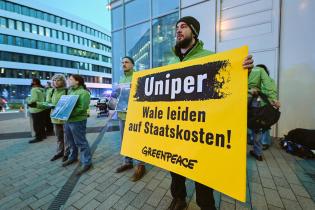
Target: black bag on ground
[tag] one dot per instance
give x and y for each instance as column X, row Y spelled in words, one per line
column 302, row 136
column 262, row 117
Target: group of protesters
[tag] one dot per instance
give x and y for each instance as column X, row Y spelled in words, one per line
column 71, row 135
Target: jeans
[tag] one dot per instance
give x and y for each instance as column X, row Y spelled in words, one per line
column 75, row 137
column 62, row 145
column 39, row 125
column 265, row 138
column 128, row 160
column 258, row 147
column 204, row 194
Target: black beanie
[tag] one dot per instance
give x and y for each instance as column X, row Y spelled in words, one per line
column 130, row 59
column 192, row 22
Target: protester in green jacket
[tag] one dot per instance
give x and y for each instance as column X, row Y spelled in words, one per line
column 52, row 97
column 189, row 47
column 75, row 127
column 48, row 124
column 127, row 65
column 38, row 117
column 260, row 81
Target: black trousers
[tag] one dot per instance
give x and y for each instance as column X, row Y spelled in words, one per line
column 204, row 194
column 48, row 125
column 39, row 125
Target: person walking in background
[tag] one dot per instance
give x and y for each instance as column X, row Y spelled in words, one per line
column 75, row 127
column 38, row 114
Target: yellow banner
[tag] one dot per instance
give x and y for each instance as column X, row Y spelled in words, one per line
column 190, row 118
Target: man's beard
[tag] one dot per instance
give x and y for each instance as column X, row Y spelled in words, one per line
column 184, row 43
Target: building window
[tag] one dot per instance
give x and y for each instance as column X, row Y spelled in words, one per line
column 138, row 45
column 3, row 22
column 27, row 27
column 133, row 17
column 26, row 11
column 9, row 6
column 54, row 33
column 34, row 29
column 47, row 32
column 11, row 24
column 41, row 30
column 118, row 52
column 60, row 35
column 58, row 21
column 19, row 25
column 18, row 41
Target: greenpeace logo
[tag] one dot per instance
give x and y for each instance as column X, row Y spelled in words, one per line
column 198, row 82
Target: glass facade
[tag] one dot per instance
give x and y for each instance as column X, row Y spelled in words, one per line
column 147, row 35
column 139, row 49
column 24, row 10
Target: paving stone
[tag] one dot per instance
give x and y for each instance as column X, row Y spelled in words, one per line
column 273, row 198
column 291, row 205
column 108, row 203
column 93, row 204
column 306, row 203
column 138, row 186
column 258, row 201
column 85, row 199
column 286, row 193
column 125, row 200
column 299, row 190
column 226, row 205
column 141, row 198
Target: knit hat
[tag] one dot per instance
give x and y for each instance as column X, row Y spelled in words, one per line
column 60, row 77
column 193, row 23
column 130, row 59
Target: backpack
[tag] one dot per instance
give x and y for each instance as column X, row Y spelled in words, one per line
column 296, row 149
column 302, row 136
column 262, row 117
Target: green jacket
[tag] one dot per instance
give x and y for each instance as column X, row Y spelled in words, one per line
column 48, row 93
column 196, row 52
column 53, row 98
column 260, row 80
column 126, row 78
column 37, row 95
column 80, row 111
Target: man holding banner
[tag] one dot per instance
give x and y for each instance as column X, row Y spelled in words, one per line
column 127, row 65
column 189, row 47
column 193, row 118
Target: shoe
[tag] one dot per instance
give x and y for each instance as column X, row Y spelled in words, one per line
column 84, row 169
column 124, row 168
column 69, row 162
column 139, row 173
column 265, row 146
column 177, row 204
column 56, row 157
column 258, row 157
column 35, row 141
column 65, row 158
